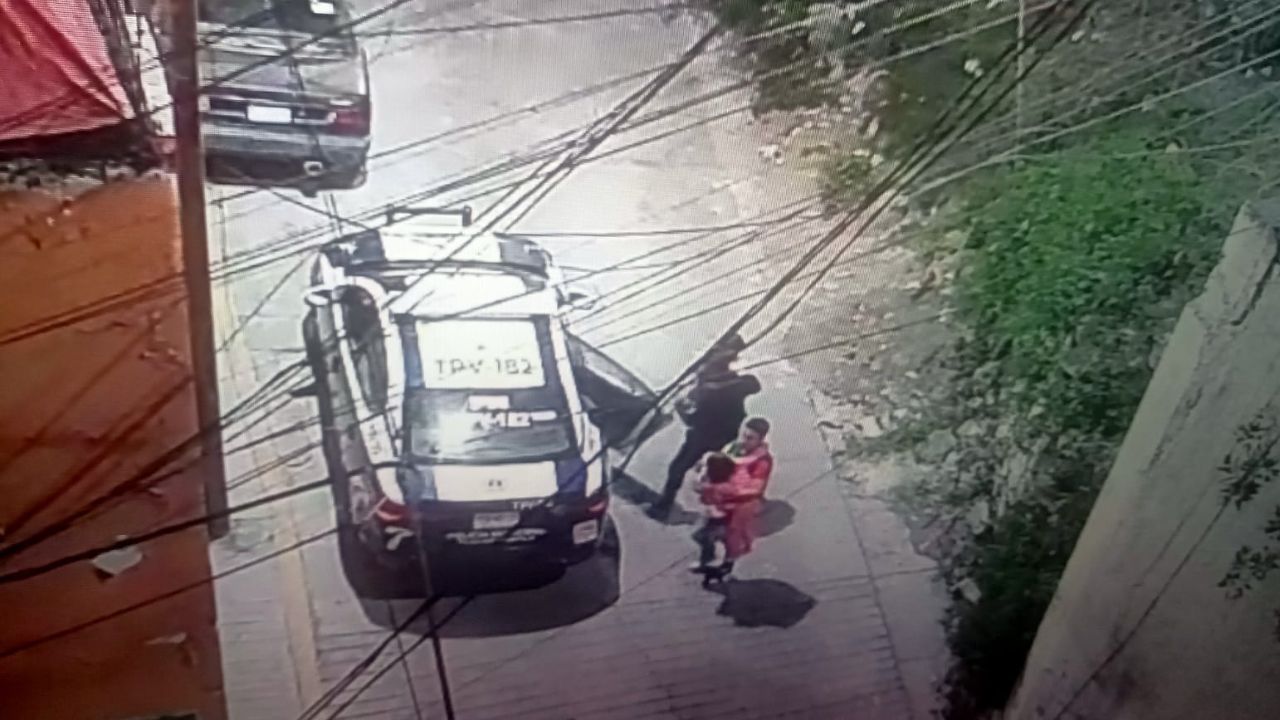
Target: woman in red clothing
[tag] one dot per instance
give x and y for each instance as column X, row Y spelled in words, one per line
column 742, row 498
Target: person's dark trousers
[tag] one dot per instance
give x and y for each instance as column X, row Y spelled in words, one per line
column 711, row 532
column 696, row 444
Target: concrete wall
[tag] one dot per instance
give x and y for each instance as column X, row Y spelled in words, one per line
column 95, row 384
column 1139, row 627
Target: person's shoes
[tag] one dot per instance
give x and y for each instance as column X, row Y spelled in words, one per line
column 699, row 568
column 720, row 573
column 715, row 574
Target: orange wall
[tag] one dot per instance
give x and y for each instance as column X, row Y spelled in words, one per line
column 94, row 383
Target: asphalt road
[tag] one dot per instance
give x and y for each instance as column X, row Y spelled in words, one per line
column 810, row 631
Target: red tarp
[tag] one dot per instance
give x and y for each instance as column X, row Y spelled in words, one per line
column 55, row 74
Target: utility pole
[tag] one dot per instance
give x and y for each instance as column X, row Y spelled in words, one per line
column 1022, row 34
column 189, row 157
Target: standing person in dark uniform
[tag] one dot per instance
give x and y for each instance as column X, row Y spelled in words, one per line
column 713, row 411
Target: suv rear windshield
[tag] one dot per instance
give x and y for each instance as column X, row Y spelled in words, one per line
column 309, row 17
column 484, row 391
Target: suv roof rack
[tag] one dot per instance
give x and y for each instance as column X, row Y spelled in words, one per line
column 463, row 213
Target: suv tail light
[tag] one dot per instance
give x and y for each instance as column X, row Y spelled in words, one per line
column 351, row 119
column 391, row 512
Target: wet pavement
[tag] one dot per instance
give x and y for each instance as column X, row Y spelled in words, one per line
column 812, row 629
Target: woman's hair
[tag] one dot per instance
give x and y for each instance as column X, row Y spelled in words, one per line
column 720, row 467
column 759, row 426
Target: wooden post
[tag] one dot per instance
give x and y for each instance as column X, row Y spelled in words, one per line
column 189, row 160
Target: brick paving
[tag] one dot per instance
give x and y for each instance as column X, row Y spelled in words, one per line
column 291, row 627
column 651, row 659
column 660, row 651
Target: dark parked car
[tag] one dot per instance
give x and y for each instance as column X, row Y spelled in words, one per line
column 285, row 96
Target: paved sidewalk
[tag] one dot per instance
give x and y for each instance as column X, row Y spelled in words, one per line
column 666, row 649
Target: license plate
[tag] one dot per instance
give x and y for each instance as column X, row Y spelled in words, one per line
column 495, row 521
column 269, row 115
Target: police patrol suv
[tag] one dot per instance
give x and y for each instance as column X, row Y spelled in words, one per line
column 460, row 415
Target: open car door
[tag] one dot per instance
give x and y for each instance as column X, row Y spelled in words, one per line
column 619, row 403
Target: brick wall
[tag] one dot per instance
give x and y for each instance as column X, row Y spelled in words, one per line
column 96, row 383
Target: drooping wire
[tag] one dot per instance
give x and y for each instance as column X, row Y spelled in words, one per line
column 658, row 400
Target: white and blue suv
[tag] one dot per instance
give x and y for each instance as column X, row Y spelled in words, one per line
column 461, row 417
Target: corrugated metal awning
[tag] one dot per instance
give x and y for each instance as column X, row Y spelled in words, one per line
column 56, row 74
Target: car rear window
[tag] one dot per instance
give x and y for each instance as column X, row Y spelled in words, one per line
column 484, row 391
column 485, row 354
column 310, row 17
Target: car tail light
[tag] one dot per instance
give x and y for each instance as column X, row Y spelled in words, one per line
column 391, row 512
column 390, row 508
column 352, row 119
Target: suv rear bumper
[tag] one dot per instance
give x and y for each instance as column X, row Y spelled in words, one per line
column 565, row 533
column 293, row 145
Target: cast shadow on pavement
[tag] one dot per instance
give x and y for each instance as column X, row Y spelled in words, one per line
column 762, row 603
column 630, row 490
column 517, row 600
column 775, row 516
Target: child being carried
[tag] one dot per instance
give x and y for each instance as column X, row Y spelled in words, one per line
column 718, row 470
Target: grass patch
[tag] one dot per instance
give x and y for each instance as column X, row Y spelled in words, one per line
column 1074, row 268
column 1072, row 264
column 1076, row 261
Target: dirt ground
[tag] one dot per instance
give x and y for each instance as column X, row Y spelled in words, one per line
column 880, row 315
column 881, row 296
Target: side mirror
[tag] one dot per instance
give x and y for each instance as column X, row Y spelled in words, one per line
column 318, row 297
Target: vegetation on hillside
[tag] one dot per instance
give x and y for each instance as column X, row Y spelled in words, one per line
column 1072, row 269
column 1079, row 216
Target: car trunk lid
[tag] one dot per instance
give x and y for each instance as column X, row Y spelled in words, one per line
column 247, row 80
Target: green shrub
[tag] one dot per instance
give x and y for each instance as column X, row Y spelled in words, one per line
column 1075, row 266
column 1017, row 567
column 1079, row 259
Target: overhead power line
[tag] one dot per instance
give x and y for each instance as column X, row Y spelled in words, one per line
column 433, row 635
column 753, row 365
column 978, row 165
column 851, row 43
column 652, row 117
column 68, row 97
column 783, row 282
column 149, row 475
column 680, row 378
column 664, row 113
column 167, row 595
column 683, row 375
column 163, row 531
column 313, row 711
column 527, row 23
